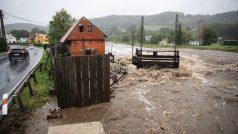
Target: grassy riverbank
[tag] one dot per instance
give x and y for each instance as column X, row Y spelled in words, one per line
column 216, row 47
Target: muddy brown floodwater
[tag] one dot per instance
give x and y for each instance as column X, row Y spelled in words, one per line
column 199, row 97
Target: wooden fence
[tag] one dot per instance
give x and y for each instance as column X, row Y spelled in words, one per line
column 82, row 80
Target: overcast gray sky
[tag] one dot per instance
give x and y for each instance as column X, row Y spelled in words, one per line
column 43, row 10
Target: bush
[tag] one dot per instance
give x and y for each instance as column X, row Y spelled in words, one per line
column 3, row 44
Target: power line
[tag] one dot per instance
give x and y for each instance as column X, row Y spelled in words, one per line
column 24, row 19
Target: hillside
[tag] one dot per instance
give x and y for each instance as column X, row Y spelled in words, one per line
column 152, row 22
column 164, row 19
column 25, row 26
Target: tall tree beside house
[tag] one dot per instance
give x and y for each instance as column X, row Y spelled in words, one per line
column 59, row 25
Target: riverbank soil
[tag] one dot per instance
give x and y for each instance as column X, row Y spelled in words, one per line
column 199, row 97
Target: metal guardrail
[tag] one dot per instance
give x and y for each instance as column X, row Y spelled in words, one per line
column 15, row 92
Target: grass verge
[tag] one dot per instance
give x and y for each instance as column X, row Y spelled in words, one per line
column 40, row 89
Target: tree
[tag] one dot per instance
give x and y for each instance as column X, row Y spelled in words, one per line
column 156, row 38
column 37, row 30
column 171, row 37
column 132, row 28
column 201, row 27
column 125, row 39
column 209, row 36
column 226, row 31
column 20, row 33
column 165, row 31
column 168, row 32
column 186, row 36
column 59, row 25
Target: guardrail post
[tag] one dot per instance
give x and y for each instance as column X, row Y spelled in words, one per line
column 40, row 66
column 34, row 77
column 18, row 100
column 30, row 88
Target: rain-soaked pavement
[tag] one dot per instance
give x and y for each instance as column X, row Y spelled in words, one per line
column 199, row 97
column 12, row 73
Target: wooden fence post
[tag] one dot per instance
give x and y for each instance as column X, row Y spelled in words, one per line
column 30, row 88
column 34, row 77
column 18, row 100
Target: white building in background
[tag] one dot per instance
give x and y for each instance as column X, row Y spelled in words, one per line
column 194, row 43
column 23, row 40
column 11, row 39
column 148, row 38
column 164, row 42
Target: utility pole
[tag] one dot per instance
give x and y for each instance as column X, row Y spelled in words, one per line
column 142, row 33
column 176, row 32
column 2, row 25
column 179, row 33
column 3, row 35
column 133, row 39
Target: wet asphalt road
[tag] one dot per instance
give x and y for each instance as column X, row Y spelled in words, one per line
column 12, row 73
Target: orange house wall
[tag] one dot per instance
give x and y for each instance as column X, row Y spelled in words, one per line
column 85, row 39
column 77, row 46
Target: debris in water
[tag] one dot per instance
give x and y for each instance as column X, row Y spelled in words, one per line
column 166, row 113
column 162, row 128
column 54, row 113
column 151, row 131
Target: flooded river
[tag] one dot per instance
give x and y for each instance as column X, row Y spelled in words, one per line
column 199, row 97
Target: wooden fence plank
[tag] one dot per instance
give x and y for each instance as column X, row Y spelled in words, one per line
column 99, row 79
column 93, row 75
column 58, row 81
column 107, row 78
column 66, row 69
column 74, row 91
column 64, row 90
column 78, row 67
column 71, row 80
column 102, row 77
column 63, row 97
column 85, row 71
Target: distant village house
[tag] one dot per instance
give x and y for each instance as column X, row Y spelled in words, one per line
column 22, row 40
column 38, row 38
column 11, row 39
column 148, row 38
